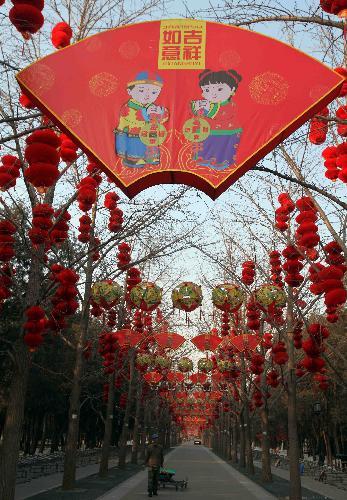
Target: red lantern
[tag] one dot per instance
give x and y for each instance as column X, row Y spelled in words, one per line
column 9, row 172
column 34, row 327
column 26, row 16
column 337, row 7
column 318, row 128
column 86, row 196
column 248, row 272
column 43, row 158
column 7, row 230
column 68, row 149
column 61, row 35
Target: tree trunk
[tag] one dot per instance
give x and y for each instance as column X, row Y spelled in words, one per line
column 71, row 443
column 266, row 475
column 136, row 434
column 12, row 432
column 105, row 450
column 124, row 434
column 248, row 443
column 294, row 452
column 242, row 443
column 234, row 443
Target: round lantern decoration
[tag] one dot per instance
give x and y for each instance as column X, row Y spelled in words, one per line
column 268, row 295
column 187, row 296
column 205, row 365
column 227, row 297
column 106, row 293
column 26, row 16
column 162, row 362
column 146, row 296
column 185, row 365
column 144, row 361
column 224, row 365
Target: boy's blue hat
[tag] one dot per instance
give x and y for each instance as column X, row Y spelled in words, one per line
column 146, row 77
column 155, row 436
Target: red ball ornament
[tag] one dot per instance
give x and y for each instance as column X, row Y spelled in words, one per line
column 61, row 35
column 26, row 16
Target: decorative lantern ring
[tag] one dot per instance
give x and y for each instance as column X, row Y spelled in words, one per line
column 106, row 293
column 270, row 295
column 227, row 297
column 146, row 296
column 187, row 296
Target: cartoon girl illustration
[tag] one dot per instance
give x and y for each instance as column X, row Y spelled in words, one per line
column 140, row 122
column 218, row 151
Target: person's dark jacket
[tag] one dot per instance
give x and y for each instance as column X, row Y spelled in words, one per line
column 154, row 455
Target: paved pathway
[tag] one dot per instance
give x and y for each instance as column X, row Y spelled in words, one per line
column 208, row 478
column 311, row 484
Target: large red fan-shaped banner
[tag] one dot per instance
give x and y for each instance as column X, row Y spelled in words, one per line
column 179, row 100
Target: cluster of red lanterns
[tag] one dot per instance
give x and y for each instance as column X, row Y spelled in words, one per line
column 276, row 268
column 225, row 328
column 9, row 172
column 297, row 334
column 84, row 229
column 248, row 272
column 41, row 224
column 116, row 214
column 60, row 229
column 68, row 149
column 334, row 7
column 42, row 155
column 282, row 213
column 313, row 348
column 272, row 378
column 341, row 114
column 86, row 193
column 34, row 327
column 26, row 16
column 108, row 345
column 279, row 353
column 306, row 235
column 123, row 255
column 253, row 315
column 257, row 364
column 61, row 35
column 292, row 266
column 25, row 102
column 5, row 282
column 7, row 241
column 64, row 299
column 336, row 162
column 319, row 127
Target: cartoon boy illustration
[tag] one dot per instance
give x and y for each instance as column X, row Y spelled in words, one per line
column 218, row 87
column 134, row 115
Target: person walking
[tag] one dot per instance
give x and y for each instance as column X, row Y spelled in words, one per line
column 154, row 460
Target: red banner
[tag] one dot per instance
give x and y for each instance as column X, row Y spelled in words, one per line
column 178, row 101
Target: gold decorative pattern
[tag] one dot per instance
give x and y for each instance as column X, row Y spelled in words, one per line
column 129, row 49
column 103, row 84
column 93, row 44
column 72, row 117
column 40, row 77
column 268, row 88
column 229, row 59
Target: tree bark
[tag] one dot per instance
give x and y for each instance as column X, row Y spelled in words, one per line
column 294, row 452
column 12, row 432
column 242, row 443
column 234, row 443
column 136, row 434
column 105, row 450
column 71, row 443
column 125, row 430
column 266, row 474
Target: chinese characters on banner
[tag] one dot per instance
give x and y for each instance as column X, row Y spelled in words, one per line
column 182, row 44
column 179, row 100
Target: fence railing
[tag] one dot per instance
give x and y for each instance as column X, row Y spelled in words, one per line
column 31, row 467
